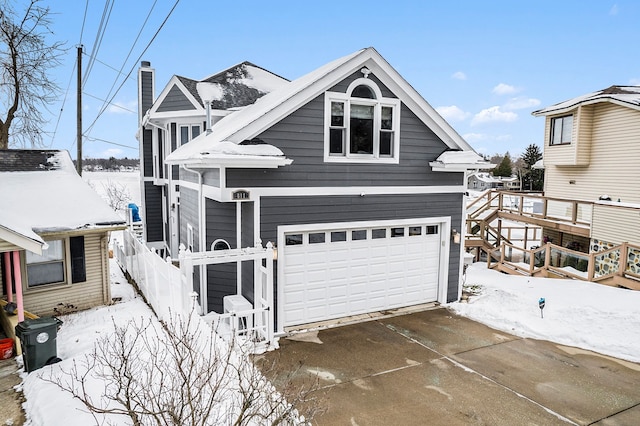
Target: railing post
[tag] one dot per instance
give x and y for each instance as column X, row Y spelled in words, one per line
column 574, row 212
column 547, row 257
column 591, row 267
column 624, row 259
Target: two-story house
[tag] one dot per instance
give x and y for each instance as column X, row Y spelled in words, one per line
column 591, row 154
column 348, row 171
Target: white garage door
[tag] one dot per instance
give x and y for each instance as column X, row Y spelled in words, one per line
column 339, row 272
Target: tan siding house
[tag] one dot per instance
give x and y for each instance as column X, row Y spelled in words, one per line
column 54, row 233
column 600, row 160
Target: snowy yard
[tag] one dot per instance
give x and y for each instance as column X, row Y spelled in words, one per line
column 584, row 315
column 580, row 314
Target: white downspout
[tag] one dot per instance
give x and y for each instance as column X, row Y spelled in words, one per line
column 202, row 235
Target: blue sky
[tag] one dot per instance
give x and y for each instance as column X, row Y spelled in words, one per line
column 484, row 65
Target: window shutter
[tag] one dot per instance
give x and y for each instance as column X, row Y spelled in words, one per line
column 78, row 270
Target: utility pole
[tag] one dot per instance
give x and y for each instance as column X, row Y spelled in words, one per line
column 79, row 113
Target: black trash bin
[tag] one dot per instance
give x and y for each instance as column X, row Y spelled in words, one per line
column 38, row 339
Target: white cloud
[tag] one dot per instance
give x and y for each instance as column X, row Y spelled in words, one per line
column 123, row 107
column 111, row 152
column 503, row 138
column 474, row 137
column 635, row 81
column 505, row 89
column 452, row 113
column 459, row 75
column 521, row 103
column 614, row 10
column 492, row 115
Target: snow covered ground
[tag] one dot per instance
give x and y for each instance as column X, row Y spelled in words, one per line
column 581, row 314
column 576, row 313
column 584, row 315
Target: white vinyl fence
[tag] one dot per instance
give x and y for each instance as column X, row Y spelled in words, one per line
column 169, row 288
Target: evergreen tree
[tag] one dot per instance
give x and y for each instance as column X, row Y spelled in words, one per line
column 533, row 179
column 504, row 168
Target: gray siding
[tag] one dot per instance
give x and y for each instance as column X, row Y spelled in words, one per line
column 276, row 211
column 147, row 152
column 221, row 279
column 212, row 177
column 247, row 240
column 146, row 90
column 301, row 137
column 189, row 215
column 153, row 212
column 175, row 101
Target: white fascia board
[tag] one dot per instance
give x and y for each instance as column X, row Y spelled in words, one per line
column 361, row 191
column 546, row 112
column 174, row 81
column 21, row 241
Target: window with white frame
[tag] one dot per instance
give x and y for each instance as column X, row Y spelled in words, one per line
column 61, row 258
column 189, row 132
column 561, row 129
column 361, row 125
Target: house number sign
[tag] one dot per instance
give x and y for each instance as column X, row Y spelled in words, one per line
column 240, row 195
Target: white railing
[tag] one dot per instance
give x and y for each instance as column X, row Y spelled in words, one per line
column 159, row 280
column 169, row 289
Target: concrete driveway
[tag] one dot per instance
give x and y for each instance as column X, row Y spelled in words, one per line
column 436, row 368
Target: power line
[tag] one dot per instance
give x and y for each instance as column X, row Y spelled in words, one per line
column 102, row 28
column 84, row 19
column 111, row 143
column 134, row 64
column 129, row 54
column 113, row 105
column 55, row 131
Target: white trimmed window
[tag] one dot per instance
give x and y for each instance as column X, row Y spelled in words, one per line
column 361, row 125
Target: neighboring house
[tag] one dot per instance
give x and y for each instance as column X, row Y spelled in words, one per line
column 592, row 154
column 482, row 181
column 54, row 233
column 348, row 171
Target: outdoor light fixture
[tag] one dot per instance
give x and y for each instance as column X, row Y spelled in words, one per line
column 455, row 236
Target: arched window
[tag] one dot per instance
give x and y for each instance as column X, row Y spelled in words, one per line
column 361, row 124
column 220, row 245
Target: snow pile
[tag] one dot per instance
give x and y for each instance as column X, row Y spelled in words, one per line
column 577, row 313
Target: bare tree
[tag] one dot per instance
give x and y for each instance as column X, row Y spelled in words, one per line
column 117, row 195
column 180, row 374
column 26, row 58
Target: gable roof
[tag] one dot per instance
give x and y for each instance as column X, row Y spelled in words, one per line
column 41, row 193
column 234, row 87
column 271, row 108
column 628, row 96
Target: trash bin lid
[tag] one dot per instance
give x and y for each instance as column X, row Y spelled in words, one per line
column 35, row 324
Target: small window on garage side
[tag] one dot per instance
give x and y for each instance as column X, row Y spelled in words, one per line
column 360, row 234
column 397, row 232
column 338, row 236
column 220, row 245
column 415, row 230
column 293, row 239
column 378, row 233
column 317, row 238
column 432, row 229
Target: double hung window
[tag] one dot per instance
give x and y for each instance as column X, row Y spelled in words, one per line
column 361, row 125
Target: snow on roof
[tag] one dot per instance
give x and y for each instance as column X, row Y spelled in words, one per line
column 624, row 95
column 236, row 86
column 451, row 161
column 49, row 197
column 254, row 153
column 249, row 121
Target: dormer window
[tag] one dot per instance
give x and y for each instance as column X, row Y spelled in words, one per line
column 561, row 129
column 361, row 125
